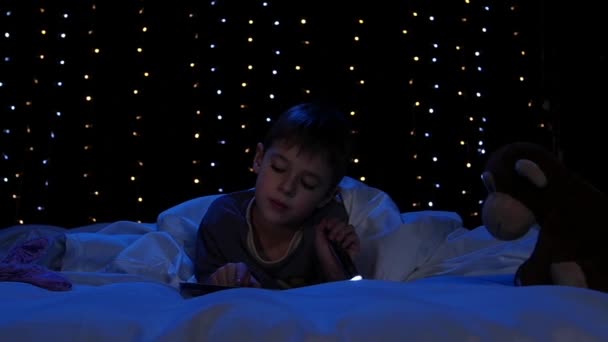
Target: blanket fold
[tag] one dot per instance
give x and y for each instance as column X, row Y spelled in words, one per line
column 19, row 265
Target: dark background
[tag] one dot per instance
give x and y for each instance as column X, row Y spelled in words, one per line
column 127, row 156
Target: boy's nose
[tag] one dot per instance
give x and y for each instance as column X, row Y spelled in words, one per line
column 288, row 186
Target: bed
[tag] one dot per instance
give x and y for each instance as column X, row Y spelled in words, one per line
column 426, row 277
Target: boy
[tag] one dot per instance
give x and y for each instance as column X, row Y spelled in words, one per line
column 277, row 235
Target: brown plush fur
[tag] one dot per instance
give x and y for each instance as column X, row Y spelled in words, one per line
column 571, row 213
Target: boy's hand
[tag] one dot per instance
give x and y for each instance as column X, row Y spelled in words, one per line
column 234, row 274
column 344, row 234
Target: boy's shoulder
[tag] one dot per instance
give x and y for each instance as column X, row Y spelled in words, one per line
column 226, row 210
column 333, row 209
column 230, row 204
column 236, row 199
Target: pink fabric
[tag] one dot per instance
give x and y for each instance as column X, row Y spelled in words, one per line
column 27, row 252
column 18, row 266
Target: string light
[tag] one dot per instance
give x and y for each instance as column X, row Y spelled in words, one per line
column 89, row 172
column 232, row 74
column 472, row 54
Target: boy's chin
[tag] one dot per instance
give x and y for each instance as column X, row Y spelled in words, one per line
column 282, row 219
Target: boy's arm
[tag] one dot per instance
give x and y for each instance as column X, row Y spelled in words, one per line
column 208, row 256
column 219, row 237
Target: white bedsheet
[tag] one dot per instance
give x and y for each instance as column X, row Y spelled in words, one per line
column 432, row 309
column 433, row 279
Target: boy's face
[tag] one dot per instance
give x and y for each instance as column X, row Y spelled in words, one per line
column 290, row 185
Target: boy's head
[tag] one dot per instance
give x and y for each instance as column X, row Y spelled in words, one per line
column 299, row 165
column 315, row 129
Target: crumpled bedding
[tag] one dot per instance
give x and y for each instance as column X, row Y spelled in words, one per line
column 425, row 278
column 19, row 265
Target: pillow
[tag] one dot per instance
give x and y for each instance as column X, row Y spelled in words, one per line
column 374, row 216
column 182, row 221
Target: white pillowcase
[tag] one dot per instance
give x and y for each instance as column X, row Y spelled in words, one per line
column 393, row 243
column 182, row 221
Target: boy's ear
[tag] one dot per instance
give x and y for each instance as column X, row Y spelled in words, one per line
column 259, row 156
column 330, row 195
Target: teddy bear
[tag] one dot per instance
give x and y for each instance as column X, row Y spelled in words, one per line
column 528, row 187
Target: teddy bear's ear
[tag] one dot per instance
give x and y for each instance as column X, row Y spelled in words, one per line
column 530, row 170
column 488, row 181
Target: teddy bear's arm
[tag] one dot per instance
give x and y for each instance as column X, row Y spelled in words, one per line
column 536, row 269
column 569, row 274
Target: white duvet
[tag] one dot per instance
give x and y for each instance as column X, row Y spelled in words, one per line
column 427, row 278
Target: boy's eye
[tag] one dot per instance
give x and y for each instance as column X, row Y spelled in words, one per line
column 277, row 169
column 308, row 186
column 309, row 183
